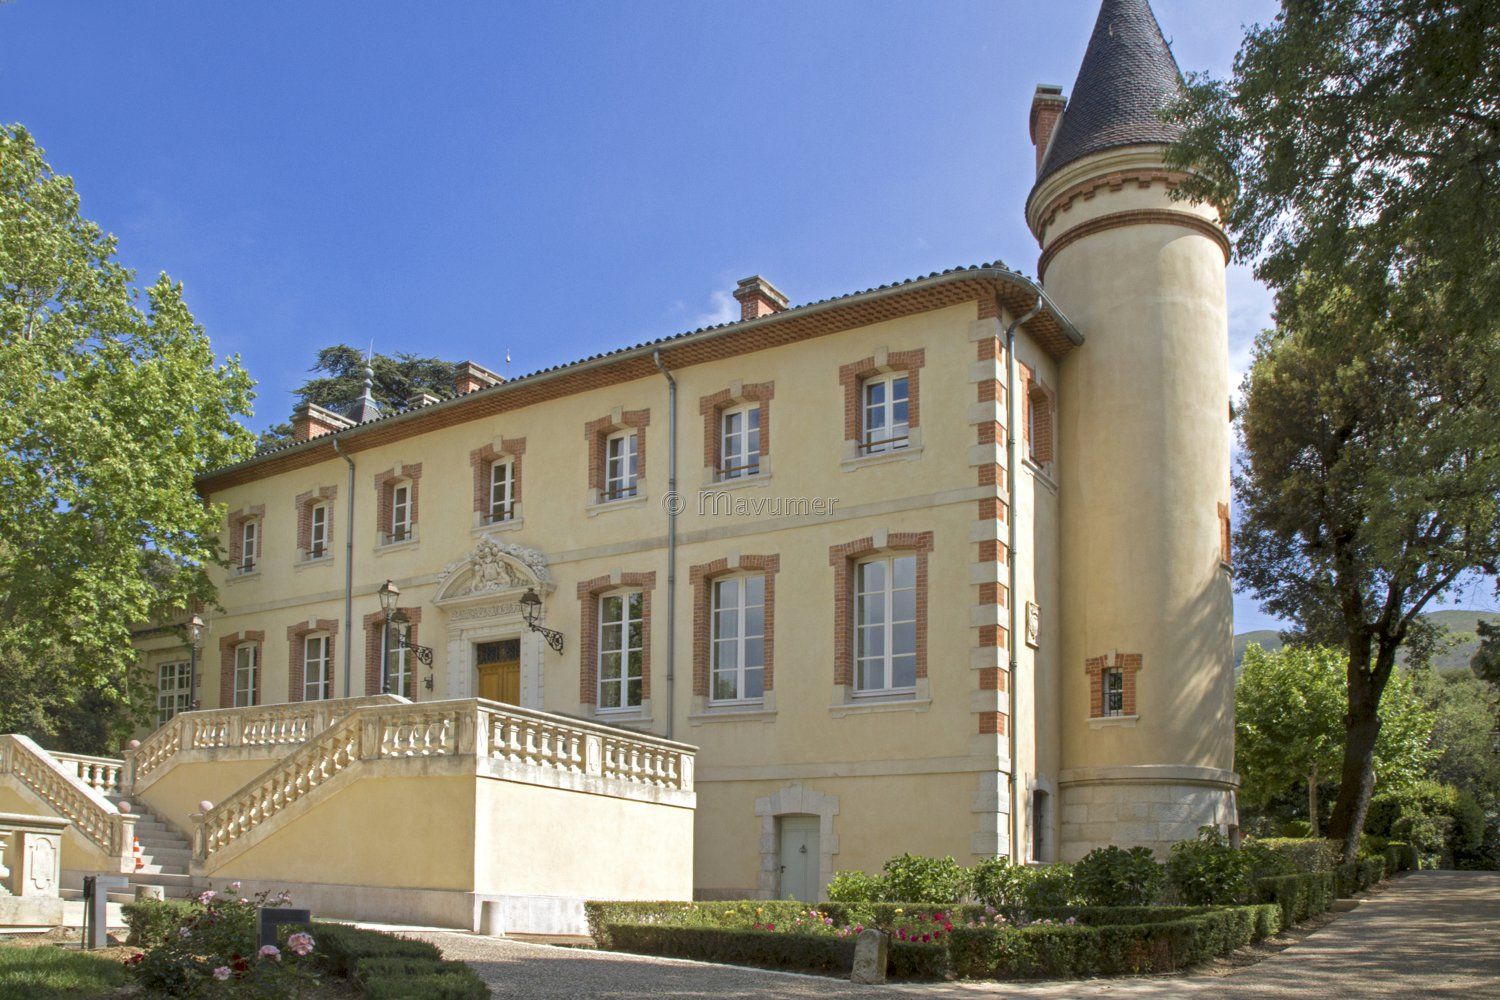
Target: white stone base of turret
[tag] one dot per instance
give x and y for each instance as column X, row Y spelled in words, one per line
column 1143, row 806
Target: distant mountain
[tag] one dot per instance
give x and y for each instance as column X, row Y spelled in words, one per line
column 1461, row 625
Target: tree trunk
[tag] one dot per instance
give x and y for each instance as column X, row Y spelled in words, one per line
column 1361, row 730
column 1312, row 798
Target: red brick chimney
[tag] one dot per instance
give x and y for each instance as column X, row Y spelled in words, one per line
column 468, row 376
column 758, row 297
column 311, row 420
column 1046, row 110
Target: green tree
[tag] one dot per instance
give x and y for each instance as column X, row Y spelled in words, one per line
column 108, row 410
column 1355, row 154
column 1289, row 726
column 1486, row 659
column 398, row 378
column 1465, row 734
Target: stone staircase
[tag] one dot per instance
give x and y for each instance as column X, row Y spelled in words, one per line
column 164, row 858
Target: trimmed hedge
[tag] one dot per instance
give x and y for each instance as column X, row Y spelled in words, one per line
column 1308, row 854
column 389, row 978
column 1400, row 857
column 772, row 950
column 341, row 948
column 1358, row 875
column 1103, row 949
column 1298, row 897
column 151, row 920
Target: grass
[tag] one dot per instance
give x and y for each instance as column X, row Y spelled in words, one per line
column 46, row 972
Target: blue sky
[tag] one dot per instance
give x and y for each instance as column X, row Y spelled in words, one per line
column 552, row 180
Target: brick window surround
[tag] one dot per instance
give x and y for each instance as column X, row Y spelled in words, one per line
column 852, row 377
column 702, row 578
column 237, row 521
column 712, row 409
column 1039, row 405
column 296, row 638
column 598, row 431
column 305, row 502
column 1129, row 664
column 482, row 459
column 843, row 558
column 385, row 484
column 1226, row 547
column 589, row 592
column 227, row 645
column 374, row 623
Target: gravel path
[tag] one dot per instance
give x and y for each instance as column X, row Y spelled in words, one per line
column 1430, row 934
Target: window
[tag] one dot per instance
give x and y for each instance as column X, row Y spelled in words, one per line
column 620, row 651
column 400, row 512
column 174, row 684
column 739, row 639
column 885, row 413
column 502, row 491
column 620, row 466
column 317, row 675
column 885, row 624
column 249, row 545
column 1039, row 821
column 397, row 661
column 739, row 442
column 246, row 676
column 317, row 539
column 1114, row 692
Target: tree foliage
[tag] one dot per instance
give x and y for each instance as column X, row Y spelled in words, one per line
column 1289, row 726
column 108, row 411
column 1355, row 154
column 398, row 377
column 1465, row 734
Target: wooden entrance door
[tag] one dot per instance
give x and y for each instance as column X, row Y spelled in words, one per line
column 499, row 664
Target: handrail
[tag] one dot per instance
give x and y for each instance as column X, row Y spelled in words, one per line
column 102, row 774
column 527, row 744
column 254, row 726
column 58, row 784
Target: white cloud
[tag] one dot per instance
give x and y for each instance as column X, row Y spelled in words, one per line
column 723, row 308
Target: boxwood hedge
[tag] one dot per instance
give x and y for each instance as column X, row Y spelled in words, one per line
column 820, row 953
column 1298, row 897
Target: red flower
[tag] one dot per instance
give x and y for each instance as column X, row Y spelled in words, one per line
column 770, row 927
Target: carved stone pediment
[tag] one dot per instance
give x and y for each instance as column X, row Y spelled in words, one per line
column 494, row 568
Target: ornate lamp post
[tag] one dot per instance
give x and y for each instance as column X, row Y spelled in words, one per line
column 531, row 607
column 389, row 595
column 195, row 639
column 403, row 629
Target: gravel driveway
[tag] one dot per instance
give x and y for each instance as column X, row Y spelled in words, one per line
column 1430, row 934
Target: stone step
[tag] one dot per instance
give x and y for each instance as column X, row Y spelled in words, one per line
column 167, row 856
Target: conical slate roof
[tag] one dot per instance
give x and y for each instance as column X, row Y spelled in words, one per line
column 1128, row 76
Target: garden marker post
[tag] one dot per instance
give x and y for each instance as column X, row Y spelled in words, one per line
column 271, row 917
column 96, row 889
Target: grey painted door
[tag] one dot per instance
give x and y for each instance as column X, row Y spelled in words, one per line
column 799, row 858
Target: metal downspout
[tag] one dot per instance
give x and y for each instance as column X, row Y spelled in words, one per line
column 673, row 505
column 1010, row 562
column 348, row 575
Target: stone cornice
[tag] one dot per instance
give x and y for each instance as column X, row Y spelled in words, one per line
column 1134, row 217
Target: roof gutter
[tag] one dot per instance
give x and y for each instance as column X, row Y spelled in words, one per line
column 649, row 351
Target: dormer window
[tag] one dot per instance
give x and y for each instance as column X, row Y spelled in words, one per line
column 620, row 465
column 502, row 491
column 739, row 442
column 885, row 423
column 249, row 546
column 317, row 544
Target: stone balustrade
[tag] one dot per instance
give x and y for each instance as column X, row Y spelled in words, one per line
column 59, row 785
column 497, row 740
column 234, row 728
column 102, row 774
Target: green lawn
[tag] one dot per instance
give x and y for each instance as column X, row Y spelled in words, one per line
column 48, row 972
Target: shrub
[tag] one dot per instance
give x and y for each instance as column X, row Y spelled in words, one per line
column 1207, row 871
column 1400, row 857
column 855, row 887
column 1044, row 887
column 915, row 879
column 1307, row 854
column 151, row 920
column 418, row 977
column 995, row 882
column 341, row 947
column 1298, row 897
column 1114, row 876
column 718, row 913
column 1071, row 951
column 1295, row 829
column 772, row 950
column 1442, row 822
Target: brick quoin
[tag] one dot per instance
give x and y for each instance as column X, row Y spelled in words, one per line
column 712, row 406
column 374, row 624
column 993, row 512
column 852, row 377
column 227, row 645
column 481, row 459
column 702, row 577
column 296, row 636
column 843, row 559
column 589, row 592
